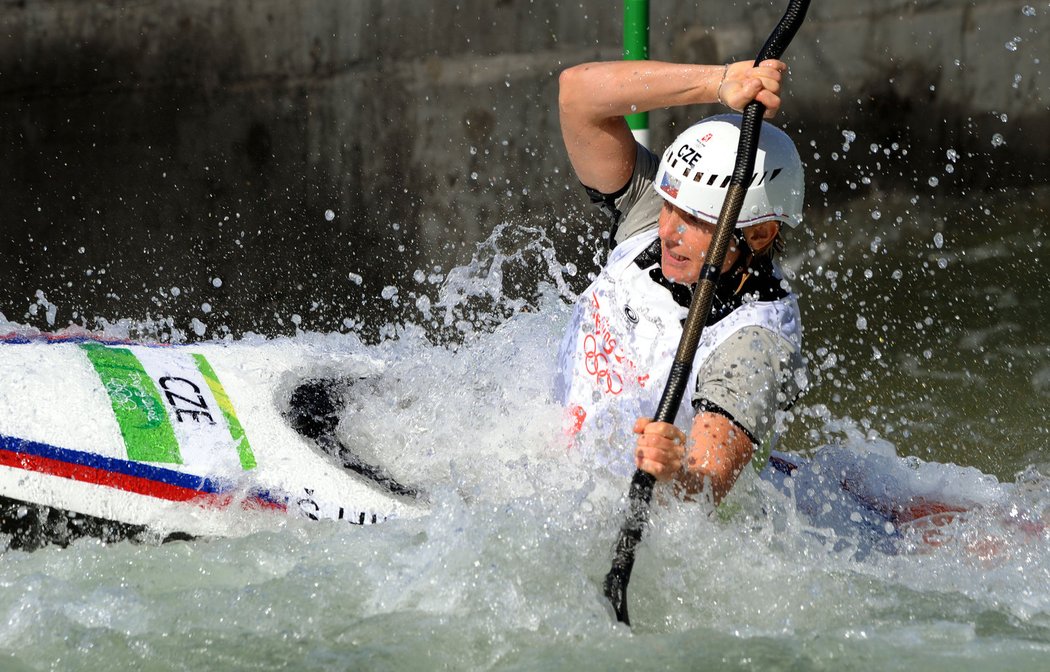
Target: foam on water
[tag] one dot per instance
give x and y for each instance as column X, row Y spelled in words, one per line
column 505, row 571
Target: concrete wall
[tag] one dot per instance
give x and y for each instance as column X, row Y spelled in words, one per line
column 158, row 144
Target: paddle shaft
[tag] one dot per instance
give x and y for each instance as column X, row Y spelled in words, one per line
column 642, row 483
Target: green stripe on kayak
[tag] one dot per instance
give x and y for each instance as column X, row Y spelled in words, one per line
column 244, row 449
column 143, row 420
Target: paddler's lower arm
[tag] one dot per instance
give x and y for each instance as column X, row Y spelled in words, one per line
column 717, row 454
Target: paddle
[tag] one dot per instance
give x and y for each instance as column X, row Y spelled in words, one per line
column 642, row 483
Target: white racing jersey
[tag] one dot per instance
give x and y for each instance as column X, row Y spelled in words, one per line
column 620, row 344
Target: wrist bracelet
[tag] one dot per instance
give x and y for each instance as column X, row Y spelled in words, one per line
column 718, row 91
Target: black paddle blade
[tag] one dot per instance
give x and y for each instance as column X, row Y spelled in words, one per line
column 616, row 592
column 630, row 534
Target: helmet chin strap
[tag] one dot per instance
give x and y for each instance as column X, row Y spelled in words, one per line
column 742, row 241
column 746, row 254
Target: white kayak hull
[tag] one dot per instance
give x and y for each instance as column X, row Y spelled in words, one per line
column 189, row 440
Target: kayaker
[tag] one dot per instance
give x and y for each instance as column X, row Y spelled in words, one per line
column 662, row 212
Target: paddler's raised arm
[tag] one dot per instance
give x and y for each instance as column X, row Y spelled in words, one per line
column 593, row 99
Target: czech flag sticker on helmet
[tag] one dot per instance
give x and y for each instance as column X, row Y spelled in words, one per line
column 670, row 184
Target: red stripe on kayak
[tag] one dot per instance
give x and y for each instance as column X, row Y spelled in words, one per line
column 150, row 480
column 141, row 486
column 110, row 479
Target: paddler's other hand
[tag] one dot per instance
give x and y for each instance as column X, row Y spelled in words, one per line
column 660, row 449
column 744, row 82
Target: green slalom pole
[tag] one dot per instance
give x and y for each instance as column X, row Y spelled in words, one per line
column 636, row 48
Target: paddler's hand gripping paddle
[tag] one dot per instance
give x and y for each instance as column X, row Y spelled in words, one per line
column 642, row 484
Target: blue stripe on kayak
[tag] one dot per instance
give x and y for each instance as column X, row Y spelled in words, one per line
column 130, row 468
column 126, row 467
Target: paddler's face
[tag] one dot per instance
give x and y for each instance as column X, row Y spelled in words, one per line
column 684, row 240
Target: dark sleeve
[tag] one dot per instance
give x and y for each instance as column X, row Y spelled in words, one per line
column 607, row 206
column 617, row 205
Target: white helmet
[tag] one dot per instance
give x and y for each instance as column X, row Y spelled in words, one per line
column 696, row 169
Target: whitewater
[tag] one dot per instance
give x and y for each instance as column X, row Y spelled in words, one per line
column 909, row 363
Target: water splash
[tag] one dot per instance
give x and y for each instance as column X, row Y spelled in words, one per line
column 505, row 572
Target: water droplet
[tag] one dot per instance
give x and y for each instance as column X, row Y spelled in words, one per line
column 949, row 168
column 419, row 276
column 953, row 155
column 355, row 278
column 942, row 262
column 874, row 148
column 1003, row 118
column 862, row 323
column 850, row 136
column 868, row 274
column 875, row 244
column 1028, row 10
column 175, row 291
column 205, row 308
column 473, row 150
column 837, row 88
column 998, row 140
column 934, row 181
column 1012, row 44
column 938, row 240
column 897, row 274
column 875, row 214
column 389, row 292
column 216, row 282
column 824, row 187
